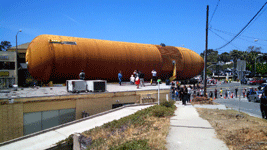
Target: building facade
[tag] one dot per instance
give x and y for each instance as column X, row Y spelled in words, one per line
column 23, row 74
column 8, row 74
column 25, row 116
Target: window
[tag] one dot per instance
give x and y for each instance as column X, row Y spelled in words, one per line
column 37, row 121
column 69, row 43
column 64, row 42
column 7, row 65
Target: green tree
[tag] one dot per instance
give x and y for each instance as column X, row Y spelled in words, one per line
column 252, row 53
column 5, row 45
column 225, row 57
column 254, row 49
column 212, row 55
column 235, row 54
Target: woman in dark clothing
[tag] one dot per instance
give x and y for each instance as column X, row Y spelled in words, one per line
column 215, row 93
column 182, row 91
column 186, row 96
column 183, row 94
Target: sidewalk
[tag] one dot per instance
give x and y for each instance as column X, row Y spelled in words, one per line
column 189, row 131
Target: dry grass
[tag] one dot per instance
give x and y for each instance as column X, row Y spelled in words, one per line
column 238, row 130
column 202, row 100
column 145, row 129
column 156, row 133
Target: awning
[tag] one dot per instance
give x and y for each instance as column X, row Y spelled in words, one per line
column 23, row 65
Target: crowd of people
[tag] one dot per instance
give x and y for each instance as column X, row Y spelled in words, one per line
column 181, row 92
column 138, row 78
column 184, row 92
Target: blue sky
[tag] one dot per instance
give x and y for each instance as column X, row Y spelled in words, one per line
column 173, row 22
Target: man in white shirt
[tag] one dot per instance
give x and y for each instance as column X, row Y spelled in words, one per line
column 154, row 76
column 132, row 79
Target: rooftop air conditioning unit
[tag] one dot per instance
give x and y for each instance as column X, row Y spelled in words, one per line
column 96, row 85
column 76, row 86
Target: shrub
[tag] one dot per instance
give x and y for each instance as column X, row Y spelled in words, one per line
column 162, row 111
column 133, row 144
column 168, row 103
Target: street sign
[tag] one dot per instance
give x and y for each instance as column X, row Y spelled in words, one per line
column 241, row 65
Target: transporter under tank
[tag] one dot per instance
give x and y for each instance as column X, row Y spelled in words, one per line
column 60, row 58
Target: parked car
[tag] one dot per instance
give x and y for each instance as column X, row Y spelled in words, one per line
column 254, row 96
column 262, row 86
column 260, row 81
column 244, row 81
column 251, row 82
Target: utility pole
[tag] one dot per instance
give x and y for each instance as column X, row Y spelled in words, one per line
column 205, row 56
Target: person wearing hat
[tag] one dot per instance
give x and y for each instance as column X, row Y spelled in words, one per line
column 82, row 75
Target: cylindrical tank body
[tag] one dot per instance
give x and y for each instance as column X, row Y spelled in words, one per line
column 58, row 58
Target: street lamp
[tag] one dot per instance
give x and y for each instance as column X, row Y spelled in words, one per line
column 16, row 64
column 255, row 61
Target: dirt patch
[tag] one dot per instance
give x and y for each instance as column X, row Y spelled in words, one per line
column 238, row 130
column 202, row 100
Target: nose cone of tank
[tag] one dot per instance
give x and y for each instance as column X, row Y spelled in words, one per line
column 39, row 58
column 193, row 63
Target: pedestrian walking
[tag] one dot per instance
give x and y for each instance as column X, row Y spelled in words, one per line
column 211, row 94
column 188, row 94
column 228, row 93
column 236, row 90
column 215, row 93
column 173, row 93
column 120, row 77
column 221, row 92
column 201, row 92
column 244, row 93
column 176, row 94
column 182, row 95
column 142, row 80
column 137, row 81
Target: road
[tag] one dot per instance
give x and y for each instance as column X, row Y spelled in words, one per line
column 250, row 108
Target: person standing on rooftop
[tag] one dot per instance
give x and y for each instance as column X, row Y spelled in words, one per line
column 82, row 75
column 154, row 76
column 120, row 77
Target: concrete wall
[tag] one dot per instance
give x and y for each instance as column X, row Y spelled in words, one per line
column 11, row 121
column 11, row 115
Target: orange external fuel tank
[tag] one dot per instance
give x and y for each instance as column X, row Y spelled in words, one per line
column 59, row 58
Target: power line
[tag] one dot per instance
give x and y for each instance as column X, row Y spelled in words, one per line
column 214, row 11
column 242, row 28
column 224, row 39
column 229, row 33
